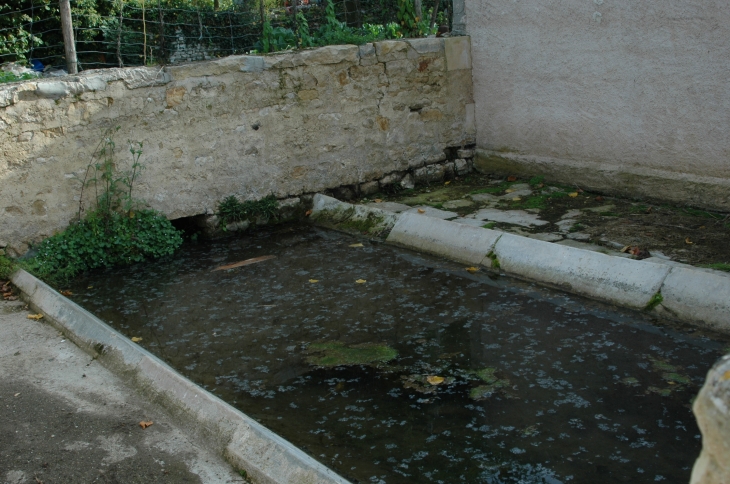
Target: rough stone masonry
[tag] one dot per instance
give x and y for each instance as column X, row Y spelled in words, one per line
column 250, row 126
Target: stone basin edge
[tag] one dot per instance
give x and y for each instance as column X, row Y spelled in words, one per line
column 680, row 292
column 247, row 445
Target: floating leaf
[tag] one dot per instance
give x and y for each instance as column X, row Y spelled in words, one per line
column 245, row 262
column 307, row 213
column 35, row 316
column 90, row 287
column 356, row 245
column 688, row 241
column 511, row 178
column 136, row 339
column 573, row 194
column 472, row 269
column 361, row 281
column 66, row 293
column 313, row 280
column 145, row 424
column 435, row 380
column 446, row 183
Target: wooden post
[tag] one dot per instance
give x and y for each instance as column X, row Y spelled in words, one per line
column 68, row 37
column 418, row 9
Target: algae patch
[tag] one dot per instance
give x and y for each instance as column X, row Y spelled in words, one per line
column 494, row 384
column 334, row 353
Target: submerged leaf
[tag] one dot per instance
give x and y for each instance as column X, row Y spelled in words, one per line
column 245, row 262
column 332, row 354
column 313, row 280
column 361, row 281
column 136, row 339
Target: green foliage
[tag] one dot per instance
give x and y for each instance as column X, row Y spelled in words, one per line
column 720, row 266
column 268, row 34
column 7, row 267
column 332, row 354
column 10, row 77
column 116, row 231
column 232, row 210
column 411, row 25
column 536, row 180
column 655, row 301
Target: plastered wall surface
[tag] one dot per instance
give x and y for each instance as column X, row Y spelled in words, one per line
column 621, row 95
column 248, row 126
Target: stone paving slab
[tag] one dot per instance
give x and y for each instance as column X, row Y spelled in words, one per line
column 516, row 217
column 433, row 212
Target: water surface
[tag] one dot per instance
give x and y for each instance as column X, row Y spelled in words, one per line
column 495, row 381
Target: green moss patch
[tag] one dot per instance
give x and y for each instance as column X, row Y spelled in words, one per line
column 334, row 353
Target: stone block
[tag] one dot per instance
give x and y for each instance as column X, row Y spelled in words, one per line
column 390, row 179
column 458, row 242
column 390, row 50
column 408, row 182
column 696, row 295
column 367, row 55
column 428, row 174
column 458, row 53
column 449, row 170
column 368, row 188
column 427, row 45
column 620, row 281
column 331, row 54
column 461, row 166
column 465, row 153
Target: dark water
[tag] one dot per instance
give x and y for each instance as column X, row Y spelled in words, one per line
column 574, row 391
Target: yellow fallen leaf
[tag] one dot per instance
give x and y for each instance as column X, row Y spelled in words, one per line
column 361, row 281
column 90, row 287
column 313, row 280
column 516, row 199
column 573, row 194
column 688, row 241
column 356, row 245
column 35, row 316
column 446, row 183
column 378, row 200
column 472, row 269
column 420, row 210
column 144, row 424
column 509, row 190
column 435, row 380
column 136, row 339
column 726, row 375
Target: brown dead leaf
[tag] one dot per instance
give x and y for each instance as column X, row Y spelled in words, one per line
column 539, row 185
column 244, row 262
column 420, row 210
column 688, row 242
column 35, row 316
column 648, row 210
column 66, row 293
column 136, row 339
column 579, row 190
column 511, row 178
column 9, row 297
column 446, row 183
column 626, row 248
column 599, row 198
column 145, row 424
column 378, row 200
column 472, row 269
column 435, row 380
column 308, row 213
column 573, row 194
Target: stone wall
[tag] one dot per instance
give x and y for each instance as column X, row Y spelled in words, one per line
column 248, row 126
column 616, row 95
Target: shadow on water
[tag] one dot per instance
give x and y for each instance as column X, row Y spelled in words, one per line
column 494, row 381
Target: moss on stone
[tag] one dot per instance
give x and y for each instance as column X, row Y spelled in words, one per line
column 334, row 353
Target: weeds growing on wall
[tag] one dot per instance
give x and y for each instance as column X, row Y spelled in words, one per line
column 117, row 229
column 7, row 267
column 231, row 210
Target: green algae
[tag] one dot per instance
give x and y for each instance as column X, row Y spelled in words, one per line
column 494, row 384
column 333, row 353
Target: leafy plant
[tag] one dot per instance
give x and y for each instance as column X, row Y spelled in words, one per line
column 10, row 77
column 231, row 210
column 118, row 230
column 7, row 267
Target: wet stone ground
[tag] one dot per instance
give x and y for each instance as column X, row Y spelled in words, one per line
column 568, row 215
column 390, row 367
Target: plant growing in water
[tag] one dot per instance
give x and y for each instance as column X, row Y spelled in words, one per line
column 118, row 230
column 231, row 210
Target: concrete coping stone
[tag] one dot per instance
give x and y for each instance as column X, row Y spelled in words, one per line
column 331, row 212
column 690, row 294
column 246, row 444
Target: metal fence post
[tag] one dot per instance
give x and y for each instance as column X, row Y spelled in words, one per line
column 68, row 37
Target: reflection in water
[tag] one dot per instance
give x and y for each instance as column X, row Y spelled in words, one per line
column 450, row 376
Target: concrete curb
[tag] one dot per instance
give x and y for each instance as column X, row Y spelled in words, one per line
column 689, row 294
column 246, row 444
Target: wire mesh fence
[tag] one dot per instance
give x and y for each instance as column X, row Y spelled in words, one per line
column 117, row 33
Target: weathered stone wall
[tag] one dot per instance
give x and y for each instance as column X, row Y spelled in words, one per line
column 616, row 95
column 248, row 126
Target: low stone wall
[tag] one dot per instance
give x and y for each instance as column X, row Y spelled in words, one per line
column 249, row 126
